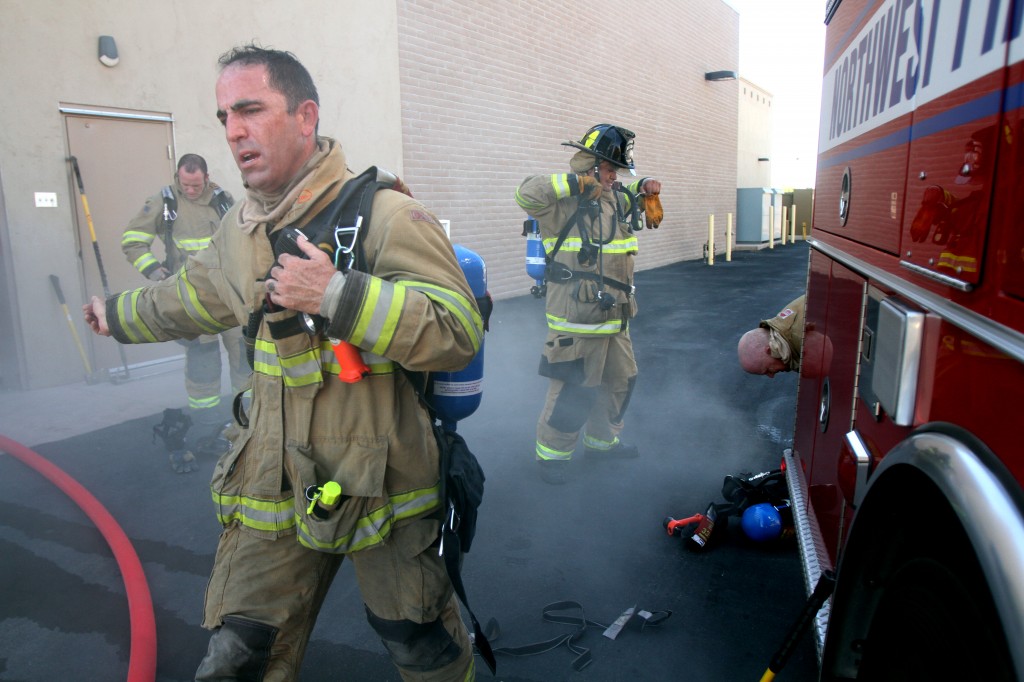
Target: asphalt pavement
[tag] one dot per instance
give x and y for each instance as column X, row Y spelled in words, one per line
column 597, row 542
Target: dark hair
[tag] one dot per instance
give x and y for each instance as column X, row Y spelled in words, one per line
column 191, row 163
column 286, row 74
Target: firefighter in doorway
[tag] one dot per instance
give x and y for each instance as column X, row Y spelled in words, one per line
column 184, row 215
column 588, row 222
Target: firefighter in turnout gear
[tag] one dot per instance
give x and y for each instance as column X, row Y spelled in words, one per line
column 409, row 305
column 588, row 223
column 184, row 217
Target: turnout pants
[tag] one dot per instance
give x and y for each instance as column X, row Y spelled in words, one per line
column 590, row 384
column 203, row 368
column 264, row 596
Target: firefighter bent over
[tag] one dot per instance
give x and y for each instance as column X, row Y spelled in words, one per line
column 588, row 222
column 324, row 468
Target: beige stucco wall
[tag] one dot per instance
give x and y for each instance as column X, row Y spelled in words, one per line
column 754, row 137
column 464, row 99
column 168, row 55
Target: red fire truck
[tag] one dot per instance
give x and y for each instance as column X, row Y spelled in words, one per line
column 907, row 466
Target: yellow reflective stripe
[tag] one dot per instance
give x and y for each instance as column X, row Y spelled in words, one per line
column 622, row 245
column 265, row 358
column 379, row 315
column 560, row 324
column 302, row 369
column 526, row 204
column 560, row 183
column 197, row 244
column 194, row 309
column 144, row 261
column 128, row 317
column 203, row 403
column 544, row 452
column 266, row 515
column 598, row 444
column 458, row 305
column 376, row 363
column 591, row 138
column 136, row 237
column 573, row 244
column 265, row 361
column 374, row 527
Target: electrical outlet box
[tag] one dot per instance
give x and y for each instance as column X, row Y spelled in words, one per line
column 46, row 200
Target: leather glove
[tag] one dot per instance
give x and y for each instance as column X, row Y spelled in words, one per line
column 653, row 213
column 590, row 188
column 159, row 273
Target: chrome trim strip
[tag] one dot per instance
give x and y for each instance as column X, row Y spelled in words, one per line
column 938, row 276
column 999, row 336
column 813, row 555
column 993, row 520
column 863, row 459
column 116, row 114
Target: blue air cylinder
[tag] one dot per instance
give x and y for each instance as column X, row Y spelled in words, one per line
column 458, row 394
column 534, row 250
column 535, row 257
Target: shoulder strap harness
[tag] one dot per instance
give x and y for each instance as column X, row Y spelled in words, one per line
column 591, row 250
column 339, row 229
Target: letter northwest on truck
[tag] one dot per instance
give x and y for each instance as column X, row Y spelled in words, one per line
column 892, row 65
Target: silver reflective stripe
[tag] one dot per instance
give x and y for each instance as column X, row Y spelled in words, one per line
column 458, row 305
column 264, row 515
column 133, row 326
column 559, row 324
column 374, row 527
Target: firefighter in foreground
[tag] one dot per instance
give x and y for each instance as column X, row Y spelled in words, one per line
column 306, row 429
column 775, row 345
column 184, row 216
column 587, row 222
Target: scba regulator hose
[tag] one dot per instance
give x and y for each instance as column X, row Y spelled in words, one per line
column 142, row 659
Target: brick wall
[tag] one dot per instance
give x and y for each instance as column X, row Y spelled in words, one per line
column 490, row 90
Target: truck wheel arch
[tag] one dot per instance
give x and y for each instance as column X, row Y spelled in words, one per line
column 932, row 570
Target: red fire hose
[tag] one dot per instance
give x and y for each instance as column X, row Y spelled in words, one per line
column 142, row 659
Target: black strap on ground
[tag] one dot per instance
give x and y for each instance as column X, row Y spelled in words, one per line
column 452, row 559
column 571, row 613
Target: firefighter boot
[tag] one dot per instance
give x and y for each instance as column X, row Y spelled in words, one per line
column 553, row 471
column 172, row 432
column 210, row 439
column 618, row 450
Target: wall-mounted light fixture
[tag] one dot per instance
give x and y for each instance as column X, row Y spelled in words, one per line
column 762, row 158
column 108, row 51
column 721, row 76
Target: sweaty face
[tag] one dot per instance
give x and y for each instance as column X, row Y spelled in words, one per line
column 192, row 184
column 269, row 144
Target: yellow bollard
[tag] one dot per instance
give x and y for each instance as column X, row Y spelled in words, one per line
column 785, row 223
column 803, row 228
column 711, row 239
column 792, row 227
column 728, row 237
